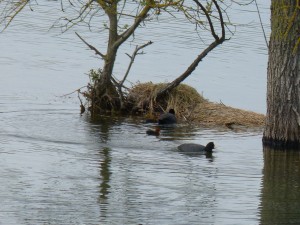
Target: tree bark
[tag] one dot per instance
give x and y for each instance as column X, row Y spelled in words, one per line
column 111, row 53
column 282, row 128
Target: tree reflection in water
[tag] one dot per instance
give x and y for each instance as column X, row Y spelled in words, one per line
column 280, row 197
column 105, row 173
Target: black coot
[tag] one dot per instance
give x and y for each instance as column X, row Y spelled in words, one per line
column 168, row 118
column 190, row 147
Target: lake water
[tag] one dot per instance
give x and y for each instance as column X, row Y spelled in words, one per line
column 58, row 167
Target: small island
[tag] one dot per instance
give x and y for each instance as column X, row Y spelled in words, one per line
column 189, row 106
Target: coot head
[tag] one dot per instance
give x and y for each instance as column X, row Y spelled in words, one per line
column 172, row 111
column 209, row 147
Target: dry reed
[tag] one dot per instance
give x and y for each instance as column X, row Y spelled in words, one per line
column 189, row 106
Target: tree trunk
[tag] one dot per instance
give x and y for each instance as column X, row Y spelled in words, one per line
column 282, row 128
column 107, row 97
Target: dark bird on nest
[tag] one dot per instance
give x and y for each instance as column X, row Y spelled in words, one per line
column 167, row 118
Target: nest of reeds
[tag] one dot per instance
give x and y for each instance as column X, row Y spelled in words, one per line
column 220, row 114
column 189, row 106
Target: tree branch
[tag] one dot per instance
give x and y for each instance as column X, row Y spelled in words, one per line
column 212, row 29
column 213, row 45
column 103, row 4
column 91, row 47
column 221, row 20
column 132, row 57
column 139, row 18
column 12, row 12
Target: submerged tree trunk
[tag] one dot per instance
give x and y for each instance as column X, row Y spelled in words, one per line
column 282, row 127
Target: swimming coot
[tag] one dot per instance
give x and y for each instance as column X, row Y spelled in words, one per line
column 167, row 118
column 153, row 132
column 189, row 147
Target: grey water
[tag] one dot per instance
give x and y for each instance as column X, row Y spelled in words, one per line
column 57, row 167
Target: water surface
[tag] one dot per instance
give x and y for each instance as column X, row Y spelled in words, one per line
column 58, row 167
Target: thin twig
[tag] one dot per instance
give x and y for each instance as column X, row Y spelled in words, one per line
column 72, row 91
column 132, row 57
column 82, row 108
column 261, row 24
column 90, row 46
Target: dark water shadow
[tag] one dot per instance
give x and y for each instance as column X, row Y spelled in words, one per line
column 105, row 173
column 101, row 126
column 209, row 156
column 177, row 132
column 280, row 194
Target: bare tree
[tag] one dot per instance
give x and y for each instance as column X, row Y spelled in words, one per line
column 106, row 93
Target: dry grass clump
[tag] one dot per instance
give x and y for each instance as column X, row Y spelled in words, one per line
column 183, row 99
column 189, row 106
column 220, row 114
